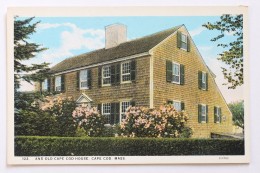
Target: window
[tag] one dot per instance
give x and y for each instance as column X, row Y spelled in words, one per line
column 203, row 114
column 126, row 72
column 176, row 73
column 84, row 79
column 177, row 105
column 106, row 75
column 217, row 114
column 204, row 80
column 124, row 106
column 45, row 85
column 106, row 110
column 58, row 83
column 184, row 41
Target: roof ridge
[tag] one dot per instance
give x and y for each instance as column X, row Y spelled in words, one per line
column 150, row 35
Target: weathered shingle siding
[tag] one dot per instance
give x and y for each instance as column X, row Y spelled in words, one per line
column 189, row 93
column 137, row 91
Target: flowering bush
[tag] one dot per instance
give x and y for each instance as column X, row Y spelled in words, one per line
column 89, row 119
column 163, row 122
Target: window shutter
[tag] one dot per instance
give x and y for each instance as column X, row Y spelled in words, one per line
column 199, row 113
column 49, row 84
column 220, row 118
column 89, row 79
column 215, row 114
column 182, row 74
column 118, row 73
column 78, row 80
column 99, row 76
column 182, row 106
column 112, row 113
column 63, row 83
column 168, row 71
column 132, row 103
column 113, row 74
column 188, row 44
column 133, row 70
column 170, row 102
column 53, row 84
column 207, row 117
column 200, row 79
column 178, row 39
column 206, row 81
column 115, row 113
column 99, row 107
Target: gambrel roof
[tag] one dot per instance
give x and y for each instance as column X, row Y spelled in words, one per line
column 132, row 47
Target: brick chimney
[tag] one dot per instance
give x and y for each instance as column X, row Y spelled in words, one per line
column 115, row 35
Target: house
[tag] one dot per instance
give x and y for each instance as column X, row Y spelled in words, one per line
column 165, row 67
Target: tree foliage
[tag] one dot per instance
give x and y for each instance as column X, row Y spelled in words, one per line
column 232, row 54
column 237, row 109
column 24, row 50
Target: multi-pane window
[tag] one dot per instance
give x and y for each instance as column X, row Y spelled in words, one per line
column 176, row 73
column 204, row 80
column 106, row 110
column 203, row 113
column 106, row 75
column 45, row 85
column 177, row 105
column 58, row 83
column 217, row 112
column 124, row 106
column 126, row 71
column 84, row 79
column 184, row 41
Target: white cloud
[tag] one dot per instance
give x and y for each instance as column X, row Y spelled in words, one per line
column 73, row 39
column 205, row 48
column 230, row 95
column 197, row 31
column 26, row 86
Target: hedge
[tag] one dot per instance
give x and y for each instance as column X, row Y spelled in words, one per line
column 105, row 146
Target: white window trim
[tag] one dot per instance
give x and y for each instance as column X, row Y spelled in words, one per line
column 83, row 80
column 102, row 110
column 45, row 84
column 106, row 77
column 178, row 101
column 56, row 83
column 179, row 72
column 120, row 117
column 218, row 113
column 184, row 42
column 121, row 72
column 205, row 113
column 205, row 73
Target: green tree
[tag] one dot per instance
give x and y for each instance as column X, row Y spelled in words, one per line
column 232, row 54
column 24, row 50
column 237, row 109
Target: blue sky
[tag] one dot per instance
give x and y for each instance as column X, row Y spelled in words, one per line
column 68, row 36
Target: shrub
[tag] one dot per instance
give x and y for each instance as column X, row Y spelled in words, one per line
column 102, row 146
column 89, row 119
column 163, row 122
column 49, row 116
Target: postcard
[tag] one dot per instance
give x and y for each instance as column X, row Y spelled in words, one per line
column 127, row 85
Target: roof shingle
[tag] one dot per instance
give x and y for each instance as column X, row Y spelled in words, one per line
column 132, row 47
